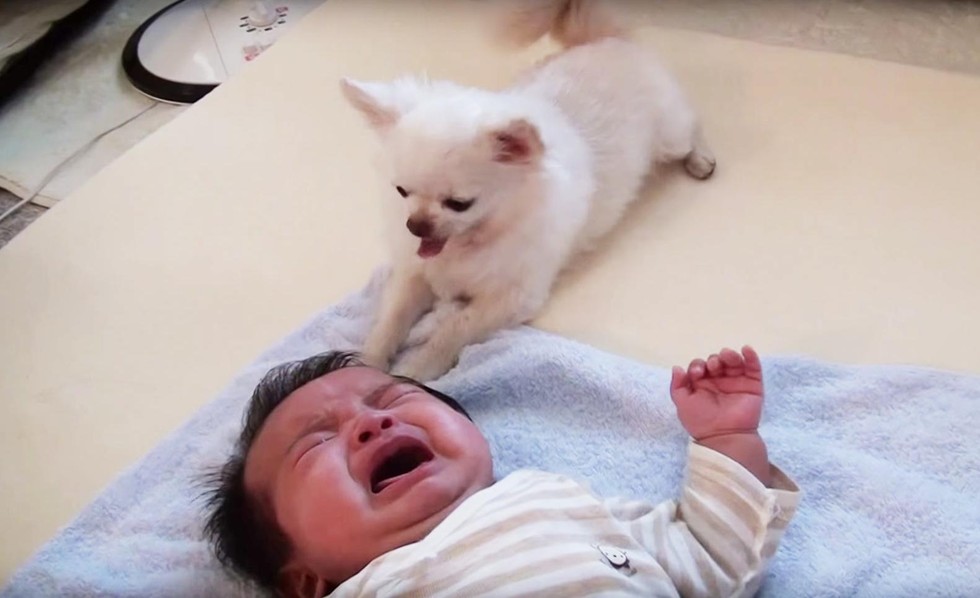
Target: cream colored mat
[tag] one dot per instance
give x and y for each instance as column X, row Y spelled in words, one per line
column 841, row 224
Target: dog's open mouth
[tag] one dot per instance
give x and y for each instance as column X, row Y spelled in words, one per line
column 401, row 462
column 431, row 247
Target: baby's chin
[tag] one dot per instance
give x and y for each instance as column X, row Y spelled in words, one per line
column 405, row 523
column 433, row 500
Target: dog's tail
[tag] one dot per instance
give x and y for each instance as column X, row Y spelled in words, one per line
column 570, row 22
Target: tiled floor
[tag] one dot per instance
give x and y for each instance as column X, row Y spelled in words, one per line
column 942, row 34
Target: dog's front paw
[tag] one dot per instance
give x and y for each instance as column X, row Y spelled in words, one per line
column 421, row 365
column 423, row 329
column 375, row 355
column 375, row 360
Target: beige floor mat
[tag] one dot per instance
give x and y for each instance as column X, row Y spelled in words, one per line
column 82, row 93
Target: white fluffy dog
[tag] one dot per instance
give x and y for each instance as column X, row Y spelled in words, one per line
column 501, row 188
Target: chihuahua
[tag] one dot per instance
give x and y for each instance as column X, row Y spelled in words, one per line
column 497, row 191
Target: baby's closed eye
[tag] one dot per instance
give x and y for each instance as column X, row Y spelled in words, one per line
column 310, row 442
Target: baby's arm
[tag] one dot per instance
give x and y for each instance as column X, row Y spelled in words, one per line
column 719, row 403
column 735, row 506
column 718, row 538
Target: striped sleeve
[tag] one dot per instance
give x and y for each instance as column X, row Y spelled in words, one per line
column 717, row 540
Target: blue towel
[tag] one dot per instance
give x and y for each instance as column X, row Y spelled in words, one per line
column 888, row 459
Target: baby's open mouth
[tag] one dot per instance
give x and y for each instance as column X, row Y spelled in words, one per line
column 431, row 247
column 399, row 463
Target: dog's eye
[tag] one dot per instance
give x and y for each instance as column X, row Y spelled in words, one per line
column 458, row 205
column 401, row 190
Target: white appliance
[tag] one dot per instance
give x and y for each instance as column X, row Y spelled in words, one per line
column 190, row 47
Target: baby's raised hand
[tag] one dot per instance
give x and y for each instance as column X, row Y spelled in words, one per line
column 722, row 395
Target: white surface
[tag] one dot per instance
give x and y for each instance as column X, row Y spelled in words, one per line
column 180, row 47
column 841, row 224
column 261, row 15
column 207, row 41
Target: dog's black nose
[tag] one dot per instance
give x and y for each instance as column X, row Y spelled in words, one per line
column 419, row 228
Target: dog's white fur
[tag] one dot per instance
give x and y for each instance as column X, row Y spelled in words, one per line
column 552, row 162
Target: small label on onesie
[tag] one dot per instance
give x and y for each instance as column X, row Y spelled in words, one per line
column 616, row 558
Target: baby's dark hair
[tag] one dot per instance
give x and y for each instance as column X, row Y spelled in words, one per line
column 241, row 528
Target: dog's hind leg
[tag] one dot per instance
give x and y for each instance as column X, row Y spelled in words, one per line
column 700, row 161
column 680, row 139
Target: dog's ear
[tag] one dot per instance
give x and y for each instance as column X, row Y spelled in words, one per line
column 369, row 99
column 516, row 143
column 382, row 104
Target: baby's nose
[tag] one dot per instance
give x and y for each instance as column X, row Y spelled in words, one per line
column 420, row 227
column 371, row 426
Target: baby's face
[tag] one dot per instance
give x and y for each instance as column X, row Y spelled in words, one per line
column 355, row 464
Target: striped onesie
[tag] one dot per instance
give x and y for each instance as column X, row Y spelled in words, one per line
column 541, row 534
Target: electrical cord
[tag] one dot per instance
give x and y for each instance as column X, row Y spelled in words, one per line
column 54, row 171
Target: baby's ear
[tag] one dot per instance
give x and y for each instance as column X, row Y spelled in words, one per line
column 296, row 581
column 516, row 143
column 382, row 104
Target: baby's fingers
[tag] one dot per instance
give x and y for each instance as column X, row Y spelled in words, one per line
column 696, row 370
column 678, row 381
column 715, row 367
column 753, row 365
column 734, row 366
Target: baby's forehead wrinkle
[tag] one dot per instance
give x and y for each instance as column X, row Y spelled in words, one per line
column 375, row 395
column 318, row 411
column 323, row 412
column 330, row 394
column 298, row 424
